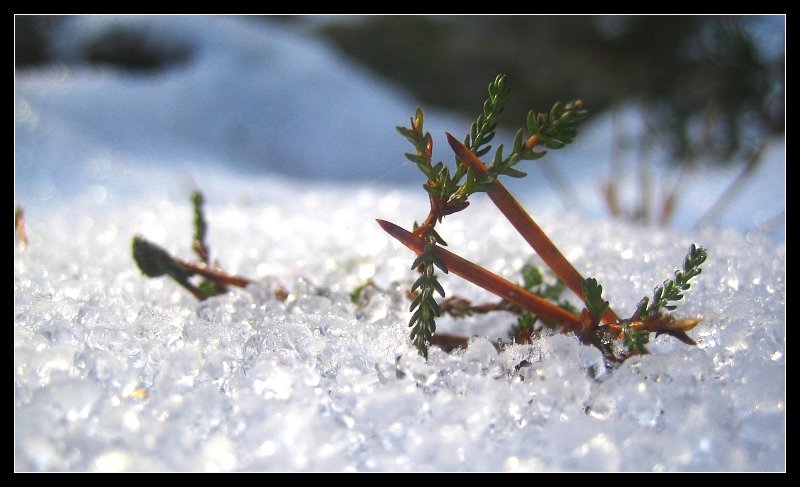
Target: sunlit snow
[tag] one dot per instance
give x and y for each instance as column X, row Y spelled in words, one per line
column 296, row 151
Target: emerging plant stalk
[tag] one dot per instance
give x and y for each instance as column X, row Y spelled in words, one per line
column 448, row 193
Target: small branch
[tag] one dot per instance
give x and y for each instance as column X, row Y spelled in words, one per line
column 213, row 274
column 487, row 280
column 199, row 244
column 154, row 261
column 200, row 227
column 526, row 227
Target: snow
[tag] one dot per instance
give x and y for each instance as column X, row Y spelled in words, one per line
column 117, row 372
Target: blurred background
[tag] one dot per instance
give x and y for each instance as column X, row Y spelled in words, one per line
column 673, row 99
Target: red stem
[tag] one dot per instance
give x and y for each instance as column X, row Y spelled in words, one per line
column 526, row 227
column 488, row 280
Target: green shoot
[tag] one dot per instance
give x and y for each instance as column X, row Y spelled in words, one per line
column 595, row 304
column 209, row 287
column 200, row 227
column 154, row 261
column 635, row 340
column 533, row 281
column 672, row 289
column 423, row 320
column 448, row 192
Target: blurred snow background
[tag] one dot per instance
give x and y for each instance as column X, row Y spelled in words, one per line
column 295, row 149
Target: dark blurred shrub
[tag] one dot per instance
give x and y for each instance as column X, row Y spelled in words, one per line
column 32, row 39
column 124, row 44
column 686, row 71
column 134, row 47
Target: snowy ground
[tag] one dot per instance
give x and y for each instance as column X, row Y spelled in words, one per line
column 114, row 371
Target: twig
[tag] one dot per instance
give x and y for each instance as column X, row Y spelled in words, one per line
column 487, row 280
column 526, row 227
column 155, row 261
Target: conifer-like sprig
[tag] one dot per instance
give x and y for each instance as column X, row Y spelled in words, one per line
column 448, row 192
column 482, row 130
column 672, row 289
column 646, row 319
column 595, row 304
column 553, row 130
column 423, row 320
column 199, row 244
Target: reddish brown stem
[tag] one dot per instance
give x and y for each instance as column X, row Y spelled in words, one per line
column 211, row 273
column 524, row 224
column 19, row 225
column 448, row 343
column 458, row 307
column 488, row 280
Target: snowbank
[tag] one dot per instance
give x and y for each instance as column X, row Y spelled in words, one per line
column 115, row 371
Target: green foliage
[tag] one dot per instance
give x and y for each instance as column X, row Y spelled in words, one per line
column 200, row 225
column 672, row 289
column 207, row 287
column 482, row 130
column 533, row 281
column 554, row 129
column 423, row 320
column 355, row 294
column 154, row 261
column 559, row 127
column 524, row 326
column 449, row 191
column 593, row 295
column 199, row 243
column 596, row 306
column 421, row 142
column 635, row 340
column 531, row 277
